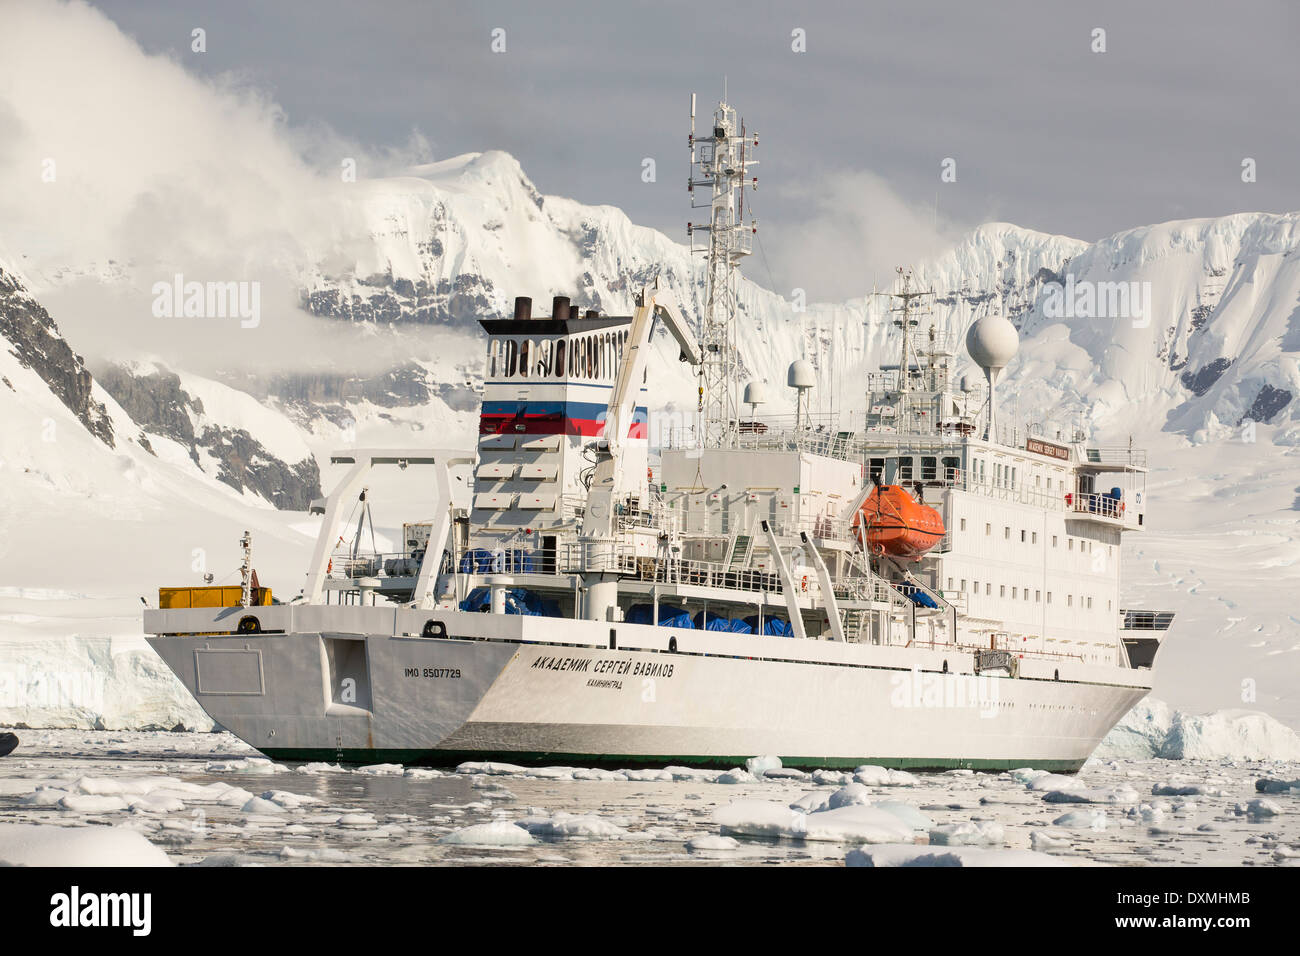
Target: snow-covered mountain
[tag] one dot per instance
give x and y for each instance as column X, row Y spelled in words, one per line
column 156, row 452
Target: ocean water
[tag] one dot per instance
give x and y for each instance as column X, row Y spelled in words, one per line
column 207, row 799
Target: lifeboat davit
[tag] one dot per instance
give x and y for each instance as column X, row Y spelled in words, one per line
column 890, row 521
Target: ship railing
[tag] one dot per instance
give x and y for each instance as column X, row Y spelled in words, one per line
column 1097, row 506
column 1115, row 455
column 1027, row 653
column 344, row 565
column 1137, row 619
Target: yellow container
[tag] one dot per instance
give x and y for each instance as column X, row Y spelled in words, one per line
column 210, row 597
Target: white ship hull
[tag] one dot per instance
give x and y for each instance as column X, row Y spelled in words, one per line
column 542, row 690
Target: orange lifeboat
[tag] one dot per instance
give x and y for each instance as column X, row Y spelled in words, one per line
column 892, row 522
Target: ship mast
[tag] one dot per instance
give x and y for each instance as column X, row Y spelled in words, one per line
column 906, row 319
column 720, row 163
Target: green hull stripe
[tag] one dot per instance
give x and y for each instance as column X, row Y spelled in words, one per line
column 450, row 758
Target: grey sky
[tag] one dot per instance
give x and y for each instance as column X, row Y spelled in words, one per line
column 1046, row 133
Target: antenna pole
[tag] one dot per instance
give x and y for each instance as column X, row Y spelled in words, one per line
column 721, row 162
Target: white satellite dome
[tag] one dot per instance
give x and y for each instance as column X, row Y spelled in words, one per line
column 756, row 393
column 992, row 342
column 801, row 374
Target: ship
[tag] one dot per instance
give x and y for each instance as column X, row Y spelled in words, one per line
column 915, row 585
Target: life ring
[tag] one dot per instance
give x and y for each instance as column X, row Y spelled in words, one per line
column 329, row 568
column 1121, row 507
column 803, row 585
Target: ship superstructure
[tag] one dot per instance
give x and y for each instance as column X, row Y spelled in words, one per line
column 918, row 585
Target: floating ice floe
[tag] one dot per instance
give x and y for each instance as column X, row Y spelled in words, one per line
column 382, row 770
column 1110, row 795
column 847, row 824
column 245, row 765
column 1184, row 790
column 910, row 855
column 497, row 833
column 758, row 766
column 1270, row 785
column 1259, row 808
column 1044, row 840
column 319, row 855
column 873, row 776
column 259, row 806
column 968, row 834
column 491, row 768
column 712, row 843
column 1082, row 820
column 573, row 826
column 27, row 844
column 735, row 775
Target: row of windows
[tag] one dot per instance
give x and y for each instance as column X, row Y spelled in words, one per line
column 1031, row 537
column 1007, row 476
column 595, row 357
column 1022, row 594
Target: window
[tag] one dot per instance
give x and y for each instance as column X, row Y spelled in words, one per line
column 1071, row 544
column 512, row 358
column 559, row 357
column 929, row 469
column 1035, row 538
column 1025, row 592
column 963, row 584
column 1069, row 600
column 1038, row 596
column 1006, row 534
column 876, row 472
column 525, row 354
column 988, row 589
column 1022, row 535
column 977, row 588
column 1053, row 541
column 1090, row 603
column 950, row 584
column 905, row 469
column 1049, row 597
column 1015, row 593
column 951, row 469
column 988, row 528
column 963, row 524
column 494, row 358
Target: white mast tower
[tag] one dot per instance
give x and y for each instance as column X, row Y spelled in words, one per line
column 720, row 161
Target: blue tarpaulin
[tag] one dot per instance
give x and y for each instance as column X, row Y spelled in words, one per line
column 518, row 601
column 921, row 599
column 483, row 561
column 668, row 616
column 716, row 622
column 772, row 626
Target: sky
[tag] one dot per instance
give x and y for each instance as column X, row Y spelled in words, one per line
column 1045, row 132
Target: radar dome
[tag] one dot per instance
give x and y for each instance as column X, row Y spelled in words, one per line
column 755, row 393
column 992, row 342
column 801, row 374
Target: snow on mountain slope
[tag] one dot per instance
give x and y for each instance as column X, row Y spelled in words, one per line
column 89, row 528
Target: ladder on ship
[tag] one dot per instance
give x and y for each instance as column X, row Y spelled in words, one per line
column 741, row 546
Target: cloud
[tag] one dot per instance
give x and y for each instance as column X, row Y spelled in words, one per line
column 122, row 165
column 858, row 230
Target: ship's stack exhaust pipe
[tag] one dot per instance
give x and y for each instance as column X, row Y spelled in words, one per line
column 560, row 307
column 523, row 308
